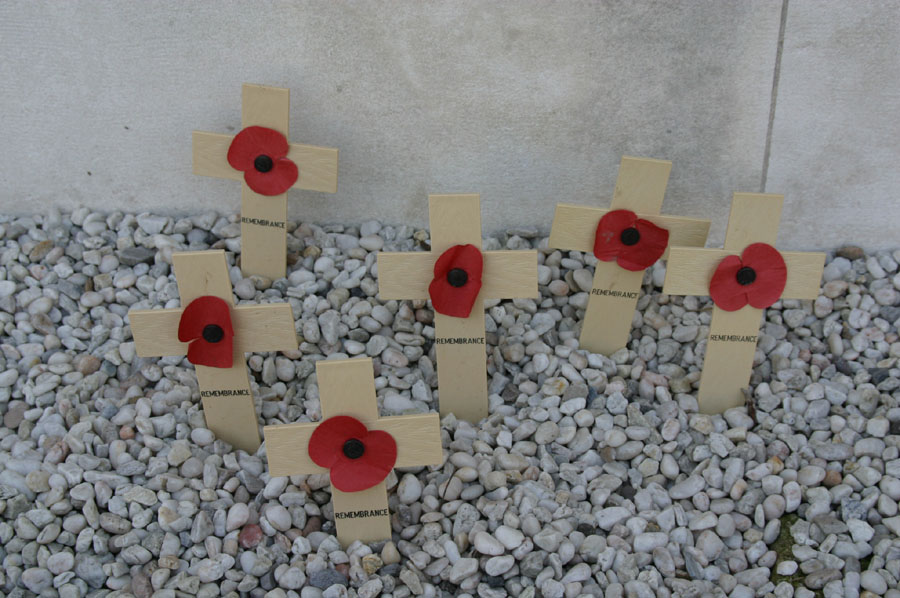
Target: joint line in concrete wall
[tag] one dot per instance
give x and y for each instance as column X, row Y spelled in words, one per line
column 774, row 99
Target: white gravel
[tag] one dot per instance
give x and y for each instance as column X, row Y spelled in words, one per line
column 592, row 475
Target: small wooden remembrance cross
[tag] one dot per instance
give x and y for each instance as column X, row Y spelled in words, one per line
column 347, row 388
column 461, row 357
column 752, row 230
column 640, row 187
column 225, row 391
column 264, row 210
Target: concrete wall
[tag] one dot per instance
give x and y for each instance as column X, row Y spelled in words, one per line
column 527, row 102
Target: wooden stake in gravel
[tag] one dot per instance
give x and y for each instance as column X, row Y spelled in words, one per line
column 640, row 188
column 225, row 391
column 733, row 335
column 347, row 388
column 264, row 217
column 461, row 356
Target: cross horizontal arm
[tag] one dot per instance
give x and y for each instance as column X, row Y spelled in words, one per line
column 506, row 274
column 405, row 275
column 418, row 443
column 509, row 274
column 574, row 228
column 256, row 328
column 690, row 270
column 318, row 165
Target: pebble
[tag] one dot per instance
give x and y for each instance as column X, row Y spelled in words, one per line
column 687, row 487
column 251, row 535
column 647, row 541
column 610, row 516
column 462, row 569
column 873, row 582
column 325, row 578
column 499, row 565
column 409, row 490
column 237, row 516
column 487, row 544
column 37, row 580
column 60, row 562
column 212, row 569
column 510, row 538
column 292, row 579
column 279, row 517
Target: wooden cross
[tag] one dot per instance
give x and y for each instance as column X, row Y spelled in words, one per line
column 640, row 187
column 264, row 218
column 227, row 398
column 347, row 387
column 461, row 355
column 732, row 340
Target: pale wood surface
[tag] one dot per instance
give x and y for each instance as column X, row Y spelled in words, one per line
column 728, row 363
column 574, row 228
column 690, row 270
column 200, row 273
column 405, row 275
column 607, row 320
column 454, row 220
column 347, row 387
column 641, row 185
column 754, row 218
column 418, row 441
column 257, row 328
column 264, row 246
column 231, row 417
column 318, row 165
column 364, row 529
column 462, row 368
column 462, row 373
column 506, row 274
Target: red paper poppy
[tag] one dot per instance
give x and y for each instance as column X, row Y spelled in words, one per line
column 633, row 242
column 206, row 324
column 457, row 281
column 358, row 458
column 757, row 277
column 261, row 154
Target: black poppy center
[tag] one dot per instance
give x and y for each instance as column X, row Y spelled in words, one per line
column 354, row 448
column 745, row 275
column 630, row 236
column 457, row 277
column 263, row 163
column 213, row 333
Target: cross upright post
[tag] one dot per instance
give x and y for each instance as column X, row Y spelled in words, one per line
column 264, row 217
column 225, row 391
column 460, row 341
column 640, row 187
column 347, row 388
column 733, row 334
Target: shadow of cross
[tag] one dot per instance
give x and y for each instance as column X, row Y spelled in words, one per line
column 347, row 387
column 225, row 392
column 640, row 187
column 731, row 346
column 264, row 217
column 460, row 344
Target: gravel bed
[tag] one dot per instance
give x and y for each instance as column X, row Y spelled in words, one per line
column 592, row 475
